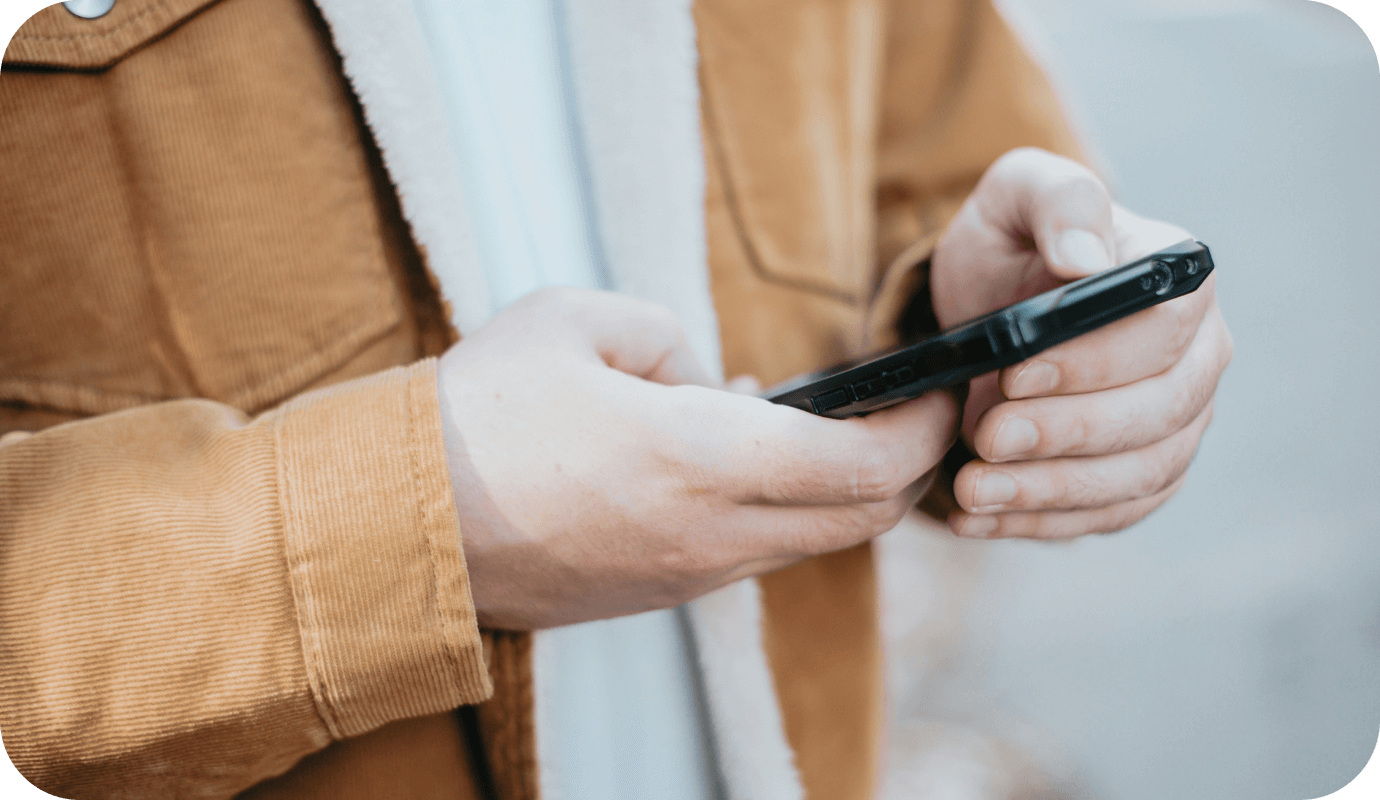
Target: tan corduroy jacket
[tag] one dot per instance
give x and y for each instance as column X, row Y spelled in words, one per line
column 229, row 555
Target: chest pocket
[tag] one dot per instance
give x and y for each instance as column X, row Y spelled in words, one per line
column 788, row 98
column 187, row 209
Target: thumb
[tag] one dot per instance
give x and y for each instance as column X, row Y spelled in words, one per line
column 744, row 384
column 1059, row 203
column 1076, row 253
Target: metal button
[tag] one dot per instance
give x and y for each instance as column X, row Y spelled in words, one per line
column 89, row 9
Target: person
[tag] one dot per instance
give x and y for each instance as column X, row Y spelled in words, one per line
column 296, row 461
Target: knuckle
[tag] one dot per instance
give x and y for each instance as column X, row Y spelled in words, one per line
column 1184, row 451
column 1227, row 350
column 1069, row 489
column 1201, row 394
column 1026, row 157
column 677, row 565
column 1163, row 478
column 1117, row 520
column 1129, row 514
column 882, row 517
column 1019, row 165
column 1014, row 159
column 1148, row 479
column 662, row 315
column 665, row 325
column 872, row 520
column 887, row 515
column 1080, row 490
column 1192, row 397
column 1078, row 433
column 1184, row 406
column 1161, row 472
column 876, row 479
column 698, row 479
column 1119, row 439
column 851, row 524
column 1081, row 188
column 1185, row 320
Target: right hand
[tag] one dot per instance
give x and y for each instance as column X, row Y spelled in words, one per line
column 597, row 474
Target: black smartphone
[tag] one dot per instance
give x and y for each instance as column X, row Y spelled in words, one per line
column 999, row 339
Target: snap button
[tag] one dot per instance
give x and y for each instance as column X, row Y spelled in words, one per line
column 89, row 9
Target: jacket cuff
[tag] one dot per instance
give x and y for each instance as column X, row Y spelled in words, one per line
column 373, row 552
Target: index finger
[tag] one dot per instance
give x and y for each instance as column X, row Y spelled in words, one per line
column 1128, row 350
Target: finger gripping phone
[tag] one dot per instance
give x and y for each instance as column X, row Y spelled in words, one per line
column 999, row 339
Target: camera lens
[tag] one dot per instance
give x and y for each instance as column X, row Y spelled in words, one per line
column 1163, row 277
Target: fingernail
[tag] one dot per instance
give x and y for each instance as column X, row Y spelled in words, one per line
column 1083, row 250
column 1014, row 436
column 976, row 526
column 993, row 489
column 1035, row 378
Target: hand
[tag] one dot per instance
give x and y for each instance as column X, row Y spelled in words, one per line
column 596, row 474
column 1093, row 434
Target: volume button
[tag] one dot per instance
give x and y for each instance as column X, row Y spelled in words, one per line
column 830, row 400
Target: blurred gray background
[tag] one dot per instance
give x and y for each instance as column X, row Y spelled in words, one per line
column 1228, row 646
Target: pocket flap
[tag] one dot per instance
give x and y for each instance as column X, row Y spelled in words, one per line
column 55, row 37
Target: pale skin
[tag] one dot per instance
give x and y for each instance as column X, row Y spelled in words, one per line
column 597, row 471
column 1094, row 434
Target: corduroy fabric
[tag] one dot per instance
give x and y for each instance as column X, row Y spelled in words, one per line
column 164, row 570
column 202, row 226
column 382, row 595
column 194, row 208
column 507, row 723
column 388, row 764
column 833, row 130
column 56, row 38
column 188, row 223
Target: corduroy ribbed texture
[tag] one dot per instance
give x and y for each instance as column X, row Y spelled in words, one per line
column 189, row 222
column 58, row 38
column 388, row 626
column 190, row 601
column 814, row 251
column 507, row 723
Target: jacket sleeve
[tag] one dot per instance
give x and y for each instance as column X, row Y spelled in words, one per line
column 959, row 90
column 191, row 600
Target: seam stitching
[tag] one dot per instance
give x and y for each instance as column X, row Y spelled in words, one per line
column 307, row 622
column 97, row 35
column 450, row 645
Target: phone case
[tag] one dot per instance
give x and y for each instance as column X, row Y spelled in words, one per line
column 1003, row 337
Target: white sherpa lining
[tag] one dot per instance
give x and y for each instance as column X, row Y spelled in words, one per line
column 637, row 94
column 387, row 64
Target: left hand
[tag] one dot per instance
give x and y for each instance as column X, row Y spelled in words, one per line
column 1093, row 434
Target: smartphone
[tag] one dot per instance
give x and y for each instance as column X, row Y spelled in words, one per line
column 999, row 339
